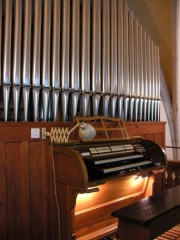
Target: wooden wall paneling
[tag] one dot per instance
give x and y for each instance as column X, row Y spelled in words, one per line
column 25, row 190
column 47, row 191
column 54, row 209
column 15, row 191
column 154, row 131
column 39, row 190
column 3, row 194
column 159, row 138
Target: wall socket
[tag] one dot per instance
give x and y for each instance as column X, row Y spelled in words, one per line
column 43, row 133
column 35, row 132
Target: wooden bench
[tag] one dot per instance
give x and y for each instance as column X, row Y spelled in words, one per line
column 149, row 217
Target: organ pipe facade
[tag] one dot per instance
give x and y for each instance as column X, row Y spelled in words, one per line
column 60, row 59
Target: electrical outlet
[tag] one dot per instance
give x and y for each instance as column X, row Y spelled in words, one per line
column 43, row 133
column 35, row 132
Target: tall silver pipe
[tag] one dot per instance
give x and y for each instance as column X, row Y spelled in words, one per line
column 149, row 76
column 65, row 78
column 141, row 72
column 7, row 57
column 131, row 65
column 114, row 85
column 126, row 61
column 26, row 68
column 16, row 75
column 120, row 69
column 85, row 59
column 158, row 85
column 106, row 55
column 46, row 57
column 75, row 62
column 56, row 60
column 96, row 55
column 155, row 83
column 136, row 69
column 36, row 76
column 145, row 76
column 152, row 82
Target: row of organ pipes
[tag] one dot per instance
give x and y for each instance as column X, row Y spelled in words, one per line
column 61, row 58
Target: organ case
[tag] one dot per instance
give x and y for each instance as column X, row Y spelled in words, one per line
column 93, row 179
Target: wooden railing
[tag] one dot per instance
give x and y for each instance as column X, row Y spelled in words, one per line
column 172, row 175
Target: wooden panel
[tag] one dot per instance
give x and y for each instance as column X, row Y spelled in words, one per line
column 154, row 131
column 14, row 170
column 172, row 177
column 39, row 191
column 96, row 207
column 3, row 189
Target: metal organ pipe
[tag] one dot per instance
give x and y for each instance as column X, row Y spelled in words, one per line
column 26, row 66
column 145, row 76
column 80, row 57
column 149, row 77
column 141, row 72
column 16, row 75
column 36, row 59
column 65, row 78
column 131, row 65
column 96, row 55
column 75, row 58
column 126, row 62
column 136, row 69
column 46, row 58
column 55, row 74
column 120, row 62
column 6, row 78
column 106, row 56
column 113, row 49
column 158, row 83
column 85, row 57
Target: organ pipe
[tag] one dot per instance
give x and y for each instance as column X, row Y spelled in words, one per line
column 126, row 61
column 6, row 78
column 46, row 85
column 26, row 62
column 120, row 62
column 96, row 55
column 85, row 56
column 106, row 56
column 75, row 59
column 55, row 74
column 65, row 78
column 36, row 59
column 113, row 49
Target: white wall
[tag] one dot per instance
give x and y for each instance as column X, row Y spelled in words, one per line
column 168, row 140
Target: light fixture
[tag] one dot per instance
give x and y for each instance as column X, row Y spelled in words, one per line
column 61, row 135
column 92, row 190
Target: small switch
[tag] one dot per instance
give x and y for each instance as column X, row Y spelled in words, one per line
column 35, row 132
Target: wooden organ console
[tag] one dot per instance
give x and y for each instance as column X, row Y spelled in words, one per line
column 93, row 179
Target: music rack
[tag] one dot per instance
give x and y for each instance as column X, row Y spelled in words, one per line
column 107, row 128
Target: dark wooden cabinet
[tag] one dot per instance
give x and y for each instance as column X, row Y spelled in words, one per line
column 27, row 202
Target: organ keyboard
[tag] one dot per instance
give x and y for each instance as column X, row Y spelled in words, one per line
column 106, row 159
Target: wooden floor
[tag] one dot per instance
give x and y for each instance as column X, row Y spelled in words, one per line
column 172, row 234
